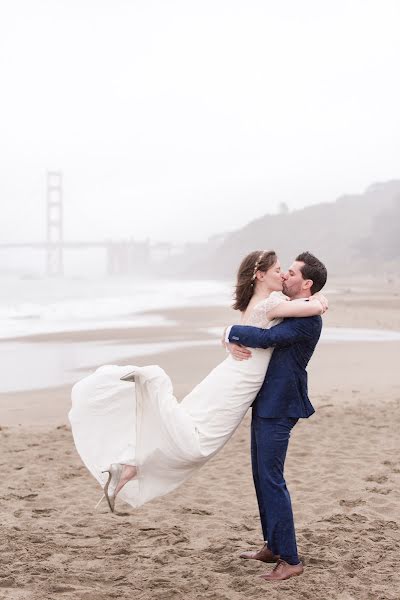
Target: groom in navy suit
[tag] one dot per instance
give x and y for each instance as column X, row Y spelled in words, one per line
column 280, row 403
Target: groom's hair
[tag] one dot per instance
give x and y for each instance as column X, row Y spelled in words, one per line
column 313, row 269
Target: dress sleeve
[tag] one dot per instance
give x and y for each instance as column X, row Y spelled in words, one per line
column 259, row 316
column 272, row 301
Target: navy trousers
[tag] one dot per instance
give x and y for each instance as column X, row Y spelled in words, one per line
column 269, row 443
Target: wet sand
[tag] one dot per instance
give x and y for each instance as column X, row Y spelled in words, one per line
column 343, row 471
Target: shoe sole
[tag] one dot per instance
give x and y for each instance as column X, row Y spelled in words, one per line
column 283, row 579
column 259, row 559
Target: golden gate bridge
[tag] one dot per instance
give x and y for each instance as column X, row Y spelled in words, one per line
column 122, row 257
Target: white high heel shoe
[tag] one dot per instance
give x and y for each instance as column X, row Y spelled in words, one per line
column 114, row 475
column 115, row 471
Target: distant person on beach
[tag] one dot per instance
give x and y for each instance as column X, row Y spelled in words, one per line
column 140, row 443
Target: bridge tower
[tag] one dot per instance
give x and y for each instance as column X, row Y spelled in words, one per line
column 54, row 249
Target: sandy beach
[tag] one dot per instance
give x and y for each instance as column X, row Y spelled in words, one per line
column 343, row 471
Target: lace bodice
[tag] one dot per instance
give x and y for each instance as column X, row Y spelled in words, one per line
column 258, row 316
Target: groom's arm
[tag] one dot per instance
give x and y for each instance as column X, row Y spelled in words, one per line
column 290, row 331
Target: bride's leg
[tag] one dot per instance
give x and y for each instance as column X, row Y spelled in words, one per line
column 128, row 473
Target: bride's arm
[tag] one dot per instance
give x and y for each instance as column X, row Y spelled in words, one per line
column 316, row 305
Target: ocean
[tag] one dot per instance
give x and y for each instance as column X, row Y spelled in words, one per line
column 37, row 306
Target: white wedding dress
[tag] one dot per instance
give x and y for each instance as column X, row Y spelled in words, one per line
column 143, row 424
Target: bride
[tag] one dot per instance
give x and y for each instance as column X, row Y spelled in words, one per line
column 133, row 435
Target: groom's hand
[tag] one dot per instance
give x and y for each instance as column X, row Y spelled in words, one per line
column 238, row 352
column 323, row 300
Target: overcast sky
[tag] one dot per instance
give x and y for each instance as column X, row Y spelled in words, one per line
column 176, row 120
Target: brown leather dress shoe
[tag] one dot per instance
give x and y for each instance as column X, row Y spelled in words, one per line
column 283, row 570
column 265, row 555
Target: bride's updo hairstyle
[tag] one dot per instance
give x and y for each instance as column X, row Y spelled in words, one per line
column 259, row 260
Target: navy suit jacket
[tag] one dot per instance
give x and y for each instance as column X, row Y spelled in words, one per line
column 284, row 391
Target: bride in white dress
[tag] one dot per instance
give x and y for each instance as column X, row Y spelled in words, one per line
column 137, row 440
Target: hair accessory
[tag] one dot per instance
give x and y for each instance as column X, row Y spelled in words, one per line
column 258, row 261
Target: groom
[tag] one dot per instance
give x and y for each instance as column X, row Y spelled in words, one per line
column 280, row 403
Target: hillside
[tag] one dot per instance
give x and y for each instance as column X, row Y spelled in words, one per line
column 354, row 232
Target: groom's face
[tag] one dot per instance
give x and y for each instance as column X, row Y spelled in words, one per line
column 294, row 284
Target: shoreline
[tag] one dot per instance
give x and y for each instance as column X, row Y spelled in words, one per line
column 347, row 370
column 188, row 365
column 358, row 302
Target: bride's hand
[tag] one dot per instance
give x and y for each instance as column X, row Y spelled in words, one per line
column 322, row 299
column 238, row 352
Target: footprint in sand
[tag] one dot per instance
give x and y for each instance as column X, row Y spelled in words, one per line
column 340, row 519
column 60, row 589
column 317, row 561
column 42, row 512
column 34, row 539
column 377, row 478
column 195, row 511
column 383, row 491
column 392, row 465
column 351, row 503
column 72, row 475
column 7, row 582
column 120, row 552
column 28, row 497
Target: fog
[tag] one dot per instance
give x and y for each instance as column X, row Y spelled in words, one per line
column 177, row 120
